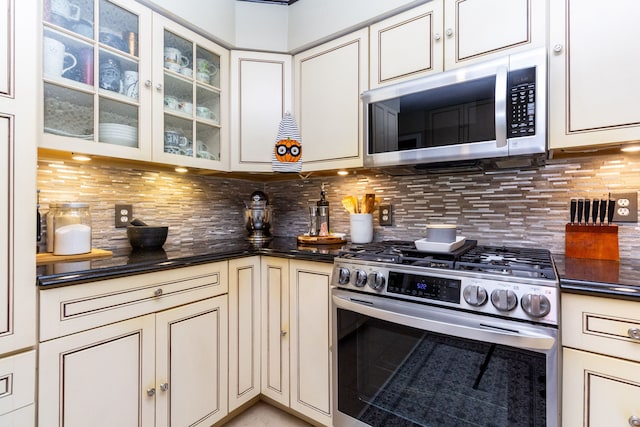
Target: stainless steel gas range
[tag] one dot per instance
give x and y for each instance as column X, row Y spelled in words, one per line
column 462, row 338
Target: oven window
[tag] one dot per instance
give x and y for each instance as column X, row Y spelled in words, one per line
column 393, row 375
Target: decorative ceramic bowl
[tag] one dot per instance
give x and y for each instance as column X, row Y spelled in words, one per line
column 147, row 236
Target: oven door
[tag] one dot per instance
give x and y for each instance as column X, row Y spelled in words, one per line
column 404, row 364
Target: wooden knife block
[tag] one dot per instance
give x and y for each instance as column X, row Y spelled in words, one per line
column 592, row 241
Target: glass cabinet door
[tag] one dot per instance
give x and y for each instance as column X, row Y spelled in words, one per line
column 192, row 98
column 91, row 69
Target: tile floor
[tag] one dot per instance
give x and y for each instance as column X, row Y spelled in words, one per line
column 264, row 415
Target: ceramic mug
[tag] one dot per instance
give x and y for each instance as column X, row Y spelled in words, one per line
column 65, row 9
column 203, row 77
column 171, row 102
column 203, row 112
column 186, row 71
column 186, row 107
column 131, row 83
column 54, row 57
column 171, row 139
column 111, row 75
column 174, row 60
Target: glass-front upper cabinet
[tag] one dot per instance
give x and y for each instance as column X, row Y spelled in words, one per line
column 94, row 59
column 190, row 117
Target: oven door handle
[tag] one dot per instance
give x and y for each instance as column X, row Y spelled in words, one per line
column 447, row 322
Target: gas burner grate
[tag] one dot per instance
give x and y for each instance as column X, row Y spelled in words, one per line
column 522, row 262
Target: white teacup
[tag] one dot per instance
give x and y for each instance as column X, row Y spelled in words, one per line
column 186, row 71
column 54, row 56
column 203, row 112
column 171, row 102
column 201, row 76
column 185, row 106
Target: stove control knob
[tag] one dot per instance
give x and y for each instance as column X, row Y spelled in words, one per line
column 376, row 281
column 344, row 275
column 361, row 278
column 504, row 299
column 536, row 305
column 475, row 295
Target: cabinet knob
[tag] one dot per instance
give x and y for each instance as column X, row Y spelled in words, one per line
column 634, row 333
column 151, row 392
column 159, row 87
column 283, row 333
column 164, row 386
column 157, row 292
column 634, row 421
column 437, row 36
column 449, row 32
column 148, row 83
column 557, row 48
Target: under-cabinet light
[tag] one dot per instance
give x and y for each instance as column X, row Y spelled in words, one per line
column 80, row 157
column 180, row 169
column 631, row 149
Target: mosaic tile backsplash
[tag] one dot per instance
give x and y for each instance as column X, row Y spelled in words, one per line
column 507, row 207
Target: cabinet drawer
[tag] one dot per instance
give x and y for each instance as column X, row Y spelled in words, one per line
column 71, row 309
column 17, row 382
column 601, row 325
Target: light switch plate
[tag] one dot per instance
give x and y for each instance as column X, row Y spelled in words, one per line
column 626, row 209
column 124, row 214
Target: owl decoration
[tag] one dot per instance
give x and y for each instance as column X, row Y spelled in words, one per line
column 287, row 153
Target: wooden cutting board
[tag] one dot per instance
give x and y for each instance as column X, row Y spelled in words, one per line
column 48, row 257
column 321, row 240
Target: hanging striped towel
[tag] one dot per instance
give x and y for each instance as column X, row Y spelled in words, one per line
column 287, row 153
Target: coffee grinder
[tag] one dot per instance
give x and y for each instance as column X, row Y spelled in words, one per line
column 258, row 217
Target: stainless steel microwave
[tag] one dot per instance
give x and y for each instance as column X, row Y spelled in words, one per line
column 494, row 109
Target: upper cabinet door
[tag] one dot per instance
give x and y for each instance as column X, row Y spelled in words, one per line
column 190, row 78
column 261, row 93
column 594, row 87
column 328, row 82
column 6, row 53
column 407, row 45
column 481, row 29
column 94, row 55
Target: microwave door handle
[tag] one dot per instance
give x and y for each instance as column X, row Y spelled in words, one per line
column 451, row 325
column 501, row 107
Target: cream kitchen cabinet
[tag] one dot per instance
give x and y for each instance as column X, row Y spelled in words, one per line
column 107, row 89
column 593, row 74
column 261, row 93
column 191, row 102
column 328, row 82
column 296, row 362
column 86, row 58
column 149, row 349
column 444, row 34
column 244, row 330
column 17, row 213
column 601, row 361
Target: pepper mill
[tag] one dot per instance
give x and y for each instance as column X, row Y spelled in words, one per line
column 323, row 214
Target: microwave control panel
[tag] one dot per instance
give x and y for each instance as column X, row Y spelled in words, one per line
column 521, row 103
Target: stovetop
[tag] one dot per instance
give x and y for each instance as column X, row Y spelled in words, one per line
column 506, row 261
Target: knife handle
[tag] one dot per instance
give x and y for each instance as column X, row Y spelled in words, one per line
column 572, row 210
column 594, row 213
column 603, row 210
column 587, row 210
column 580, row 210
column 611, row 211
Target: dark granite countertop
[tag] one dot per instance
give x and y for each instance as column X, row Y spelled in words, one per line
column 126, row 262
column 616, row 279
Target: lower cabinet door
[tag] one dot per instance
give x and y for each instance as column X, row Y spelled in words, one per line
column 191, row 364
column 310, row 313
column 599, row 390
column 103, row 377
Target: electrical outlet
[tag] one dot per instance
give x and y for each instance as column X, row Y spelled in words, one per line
column 384, row 215
column 626, row 209
column 124, row 214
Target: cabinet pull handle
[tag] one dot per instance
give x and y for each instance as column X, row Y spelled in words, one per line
column 634, row 421
column 557, row 48
column 147, row 83
column 283, row 333
column 634, row 333
column 437, row 36
column 164, row 386
column 449, row 32
column 151, row 392
column 157, row 292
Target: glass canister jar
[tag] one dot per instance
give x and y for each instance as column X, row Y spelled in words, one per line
column 71, row 229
